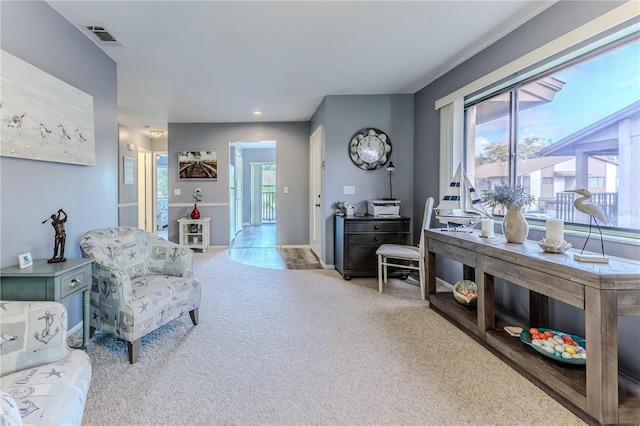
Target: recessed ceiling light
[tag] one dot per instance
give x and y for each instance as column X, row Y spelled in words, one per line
column 257, row 112
column 157, row 133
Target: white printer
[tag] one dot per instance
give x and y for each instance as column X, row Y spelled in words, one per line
column 383, row 208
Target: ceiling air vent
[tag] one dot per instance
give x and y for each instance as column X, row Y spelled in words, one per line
column 102, row 33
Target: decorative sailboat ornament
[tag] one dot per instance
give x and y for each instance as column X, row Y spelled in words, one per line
column 458, row 219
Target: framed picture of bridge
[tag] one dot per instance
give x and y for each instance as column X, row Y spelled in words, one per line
column 197, row 164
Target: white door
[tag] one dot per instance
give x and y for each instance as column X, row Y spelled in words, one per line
column 315, row 191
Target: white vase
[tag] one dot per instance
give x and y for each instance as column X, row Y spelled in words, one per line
column 514, row 226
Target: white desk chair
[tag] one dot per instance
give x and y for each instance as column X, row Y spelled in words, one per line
column 402, row 252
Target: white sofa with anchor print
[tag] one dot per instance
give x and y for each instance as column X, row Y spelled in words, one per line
column 42, row 380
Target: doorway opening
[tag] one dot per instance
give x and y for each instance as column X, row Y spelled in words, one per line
column 252, row 195
column 263, row 193
column 162, row 193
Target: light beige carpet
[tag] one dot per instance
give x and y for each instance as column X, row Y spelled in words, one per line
column 290, row 347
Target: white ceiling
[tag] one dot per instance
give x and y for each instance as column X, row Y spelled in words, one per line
column 218, row 61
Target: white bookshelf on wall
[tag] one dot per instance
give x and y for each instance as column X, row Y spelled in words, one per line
column 195, row 233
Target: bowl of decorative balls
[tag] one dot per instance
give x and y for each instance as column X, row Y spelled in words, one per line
column 466, row 292
column 563, row 347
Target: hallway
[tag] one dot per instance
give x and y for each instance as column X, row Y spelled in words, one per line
column 262, row 236
column 256, row 246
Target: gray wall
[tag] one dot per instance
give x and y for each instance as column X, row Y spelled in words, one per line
column 292, row 159
column 33, row 190
column 557, row 20
column 341, row 118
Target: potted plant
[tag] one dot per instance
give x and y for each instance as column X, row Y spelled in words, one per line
column 512, row 197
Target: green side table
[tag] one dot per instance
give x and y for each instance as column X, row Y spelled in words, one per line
column 53, row 282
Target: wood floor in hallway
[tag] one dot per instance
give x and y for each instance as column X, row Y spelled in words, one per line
column 256, row 246
column 255, row 236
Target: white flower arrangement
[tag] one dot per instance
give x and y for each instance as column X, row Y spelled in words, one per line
column 197, row 195
column 507, row 195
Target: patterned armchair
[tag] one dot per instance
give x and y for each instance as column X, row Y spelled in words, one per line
column 140, row 282
column 43, row 381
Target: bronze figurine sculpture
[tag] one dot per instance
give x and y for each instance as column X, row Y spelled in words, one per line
column 57, row 221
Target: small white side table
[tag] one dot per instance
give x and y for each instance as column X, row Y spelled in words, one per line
column 195, row 233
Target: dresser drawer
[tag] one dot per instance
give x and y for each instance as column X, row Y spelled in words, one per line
column 382, row 226
column 362, row 259
column 74, row 281
column 375, row 239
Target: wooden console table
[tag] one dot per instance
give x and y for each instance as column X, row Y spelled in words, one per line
column 598, row 392
column 53, row 282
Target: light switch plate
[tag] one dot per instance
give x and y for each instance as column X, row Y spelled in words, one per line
column 286, row 189
column 177, row 191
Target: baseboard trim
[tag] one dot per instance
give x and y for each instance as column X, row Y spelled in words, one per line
column 443, row 283
column 74, row 329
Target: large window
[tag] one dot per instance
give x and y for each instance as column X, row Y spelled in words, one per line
column 575, row 127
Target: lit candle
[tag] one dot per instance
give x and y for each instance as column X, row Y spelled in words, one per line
column 555, row 230
column 487, row 228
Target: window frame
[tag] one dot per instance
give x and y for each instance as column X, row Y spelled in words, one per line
column 612, row 26
column 513, row 90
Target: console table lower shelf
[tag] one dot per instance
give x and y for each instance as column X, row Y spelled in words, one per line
column 598, row 392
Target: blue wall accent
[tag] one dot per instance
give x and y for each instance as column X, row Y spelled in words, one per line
column 33, row 190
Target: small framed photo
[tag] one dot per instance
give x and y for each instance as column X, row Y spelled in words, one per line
column 128, row 171
column 25, row 260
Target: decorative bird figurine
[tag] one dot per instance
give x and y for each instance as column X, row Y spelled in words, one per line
column 16, row 122
column 80, row 137
column 63, row 133
column 593, row 210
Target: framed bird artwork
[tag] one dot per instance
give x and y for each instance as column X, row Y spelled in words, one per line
column 42, row 117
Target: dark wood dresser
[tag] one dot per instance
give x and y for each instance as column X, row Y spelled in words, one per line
column 357, row 238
